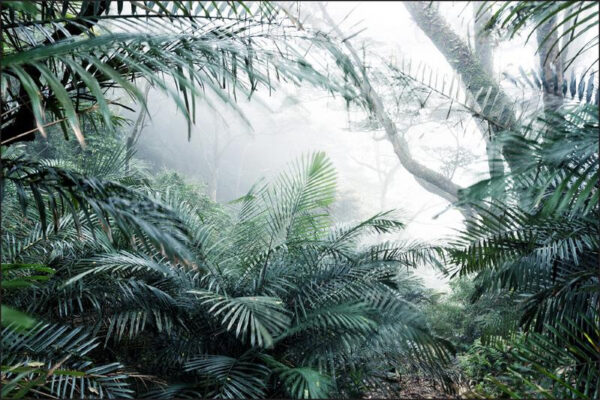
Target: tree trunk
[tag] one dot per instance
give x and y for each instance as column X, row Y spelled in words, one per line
column 483, row 45
column 212, row 186
column 137, row 128
column 551, row 66
column 458, row 55
column 213, row 168
column 472, row 71
column 484, row 53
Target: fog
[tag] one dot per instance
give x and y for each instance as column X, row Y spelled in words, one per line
column 229, row 151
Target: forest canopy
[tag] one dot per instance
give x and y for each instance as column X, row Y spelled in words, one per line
column 163, row 237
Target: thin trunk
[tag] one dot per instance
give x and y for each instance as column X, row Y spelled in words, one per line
column 214, row 169
column 485, row 55
column 551, row 66
column 138, row 127
column 386, row 185
column 564, row 56
column 212, row 186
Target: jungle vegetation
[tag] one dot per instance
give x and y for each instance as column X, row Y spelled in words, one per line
column 121, row 283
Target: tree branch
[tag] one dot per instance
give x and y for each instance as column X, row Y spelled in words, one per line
column 429, row 179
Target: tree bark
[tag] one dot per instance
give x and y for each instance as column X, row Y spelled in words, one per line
column 483, row 44
column 461, row 59
column 477, row 80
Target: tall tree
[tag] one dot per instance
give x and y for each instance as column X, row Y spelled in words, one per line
column 490, row 105
column 474, row 69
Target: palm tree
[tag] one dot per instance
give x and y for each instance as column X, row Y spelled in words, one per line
column 271, row 300
column 542, row 243
column 63, row 64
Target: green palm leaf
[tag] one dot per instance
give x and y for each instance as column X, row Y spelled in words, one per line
column 258, row 317
column 230, row 377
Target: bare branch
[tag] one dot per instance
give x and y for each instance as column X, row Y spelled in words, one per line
column 430, row 180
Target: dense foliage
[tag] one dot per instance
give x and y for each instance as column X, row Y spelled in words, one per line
column 270, row 299
column 542, row 243
column 119, row 283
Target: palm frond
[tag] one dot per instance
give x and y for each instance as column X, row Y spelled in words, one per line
column 56, row 190
column 524, row 15
column 229, row 377
column 300, row 382
column 51, row 359
column 578, row 365
column 260, row 318
column 577, row 89
column 180, row 50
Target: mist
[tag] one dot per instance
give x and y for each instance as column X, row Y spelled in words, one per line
column 232, row 148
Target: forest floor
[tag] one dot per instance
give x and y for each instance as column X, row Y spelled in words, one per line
column 408, row 388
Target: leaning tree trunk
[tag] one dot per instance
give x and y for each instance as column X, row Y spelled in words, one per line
column 477, row 80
